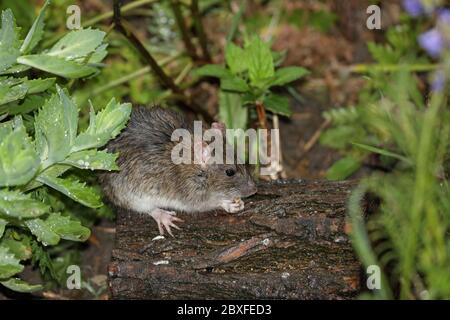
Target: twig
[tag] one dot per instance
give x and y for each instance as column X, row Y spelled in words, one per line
column 131, row 76
column 315, row 137
column 163, row 77
column 186, row 37
column 110, row 14
column 200, row 30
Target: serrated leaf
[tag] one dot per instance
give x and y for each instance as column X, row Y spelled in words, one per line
column 21, row 250
column 9, row 41
column 99, row 54
column 234, row 84
column 12, row 89
column 19, row 285
column 18, row 160
column 15, row 69
column 212, row 70
column 55, row 128
column 67, row 228
column 235, row 58
column 20, row 206
column 104, row 125
column 75, row 190
column 93, row 159
column 36, row 31
column 77, row 44
column 288, row 74
column 30, row 103
column 260, row 62
column 343, row 168
column 278, row 104
column 39, row 85
column 9, row 264
column 59, row 66
column 42, row 231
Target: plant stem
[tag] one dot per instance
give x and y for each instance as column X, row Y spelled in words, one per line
column 364, row 68
column 262, row 118
column 110, row 14
column 200, row 30
column 163, row 77
column 185, row 36
column 136, row 74
column 235, row 21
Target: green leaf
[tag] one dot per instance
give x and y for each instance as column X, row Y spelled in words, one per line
column 15, row 69
column 98, row 55
column 9, row 264
column 3, row 224
column 104, row 126
column 212, row 70
column 235, row 58
column 20, row 206
column 383, row 152
column 42, row 231
column 20, row 249
column 343, row 168
column 278, row 104
column 9, row 40
column 19, row 285
column 77, row 191
column 56, row 128
column 234, row 84
column 231, row 110
column 77, row 44
column 288, row 74
column 18, row 159
column 12, row 89
column 39, row 85
column 260, row 62
column 93, row 159
column 36, row 31
column 59, row 66
column 67, row 228
column 30, row 103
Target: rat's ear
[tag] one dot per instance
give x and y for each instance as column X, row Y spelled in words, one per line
column 202, row 153
column 219, row 125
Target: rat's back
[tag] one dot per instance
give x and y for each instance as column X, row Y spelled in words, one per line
column 144, row 155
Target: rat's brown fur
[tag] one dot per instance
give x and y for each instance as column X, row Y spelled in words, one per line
column 149, row 179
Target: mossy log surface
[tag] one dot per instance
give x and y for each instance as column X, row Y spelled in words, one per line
column 289, row 242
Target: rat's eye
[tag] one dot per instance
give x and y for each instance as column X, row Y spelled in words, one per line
column 230, row 172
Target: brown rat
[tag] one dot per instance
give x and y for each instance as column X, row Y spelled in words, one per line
column 150, row 182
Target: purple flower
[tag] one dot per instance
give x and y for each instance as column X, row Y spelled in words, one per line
column 438, row 81
column 414, row 7
column 432, row 42
column 444, row 17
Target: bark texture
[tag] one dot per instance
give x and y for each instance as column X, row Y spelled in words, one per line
column 290, row 242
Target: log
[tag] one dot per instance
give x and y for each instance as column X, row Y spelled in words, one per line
column 289, row 242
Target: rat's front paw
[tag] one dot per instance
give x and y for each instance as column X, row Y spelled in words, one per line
column 232, row 206
column 165, row 219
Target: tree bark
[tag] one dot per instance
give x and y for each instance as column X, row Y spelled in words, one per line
column 289, row 242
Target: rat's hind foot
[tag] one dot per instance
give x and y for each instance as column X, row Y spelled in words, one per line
column 166, row 219
column 232, row 206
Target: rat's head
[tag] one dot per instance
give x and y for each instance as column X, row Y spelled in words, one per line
column 226, row 179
